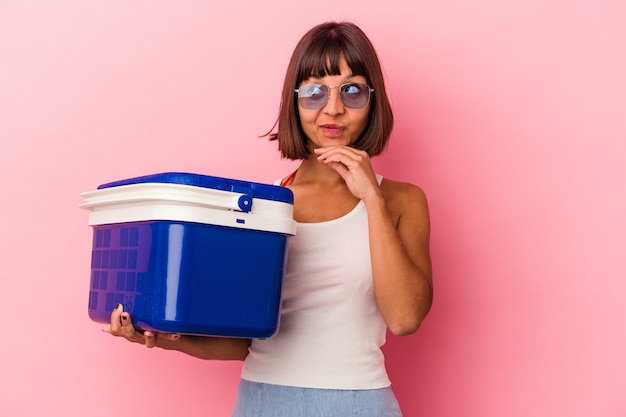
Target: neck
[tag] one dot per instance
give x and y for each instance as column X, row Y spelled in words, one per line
column 312, row 170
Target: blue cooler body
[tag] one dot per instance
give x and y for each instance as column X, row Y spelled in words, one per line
column 191, row 254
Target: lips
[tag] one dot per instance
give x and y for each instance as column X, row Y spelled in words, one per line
column 332, row 130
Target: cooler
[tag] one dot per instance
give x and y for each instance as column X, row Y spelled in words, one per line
column 191, row 254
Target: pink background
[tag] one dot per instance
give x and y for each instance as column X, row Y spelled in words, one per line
column 511, row 115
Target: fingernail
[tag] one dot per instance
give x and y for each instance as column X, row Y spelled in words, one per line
column 117, row 307
column 124, row 317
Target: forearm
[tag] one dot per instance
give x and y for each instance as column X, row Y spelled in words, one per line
column 203, row 347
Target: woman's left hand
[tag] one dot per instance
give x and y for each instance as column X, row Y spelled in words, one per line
column 355, row 168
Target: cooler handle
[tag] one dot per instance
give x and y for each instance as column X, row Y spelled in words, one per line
column 168, row 192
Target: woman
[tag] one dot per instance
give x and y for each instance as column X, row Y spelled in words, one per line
column 360, row 262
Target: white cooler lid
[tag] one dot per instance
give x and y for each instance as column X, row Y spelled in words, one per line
column 193, row 198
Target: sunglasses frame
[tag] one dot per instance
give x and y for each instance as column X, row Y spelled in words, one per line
column 370, row 90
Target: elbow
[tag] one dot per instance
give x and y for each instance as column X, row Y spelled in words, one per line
column 404, row 327
column 409, row 323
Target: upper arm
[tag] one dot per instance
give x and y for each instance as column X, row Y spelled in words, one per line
column 410, row 206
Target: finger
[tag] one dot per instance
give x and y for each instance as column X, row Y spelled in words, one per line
column 129, row 331
column 345, row 165
column 329, row 158
column 323, row 149
column 121, row 324
column 170, row 336
column 347, row 150
column 126, row 323
column 150, row 338
column 116, row 320
column 339, row 167
column 351, row 158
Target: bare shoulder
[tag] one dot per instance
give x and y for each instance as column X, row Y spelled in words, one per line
column 403, row 197
column 408, row 207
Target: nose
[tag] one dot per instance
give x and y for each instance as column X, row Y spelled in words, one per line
column 334, row 105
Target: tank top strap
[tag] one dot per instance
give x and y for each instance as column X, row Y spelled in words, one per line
column 285, row 181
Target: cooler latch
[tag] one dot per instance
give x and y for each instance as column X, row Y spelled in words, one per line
column 245, row 200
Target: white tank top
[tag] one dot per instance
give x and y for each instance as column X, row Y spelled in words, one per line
column 331, row 330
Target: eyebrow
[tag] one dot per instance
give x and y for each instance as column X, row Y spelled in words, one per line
column 348, row 76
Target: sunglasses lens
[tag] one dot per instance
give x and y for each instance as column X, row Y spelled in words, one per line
column 313, row 96
column 355, row 95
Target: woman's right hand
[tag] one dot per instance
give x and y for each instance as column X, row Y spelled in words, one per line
column 121, row 325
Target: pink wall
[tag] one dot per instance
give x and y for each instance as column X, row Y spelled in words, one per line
column 511, row 115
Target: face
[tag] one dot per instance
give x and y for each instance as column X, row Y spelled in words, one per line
column 334, row 124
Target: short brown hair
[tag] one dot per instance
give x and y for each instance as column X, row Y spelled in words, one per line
column 318, row 54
